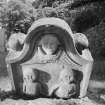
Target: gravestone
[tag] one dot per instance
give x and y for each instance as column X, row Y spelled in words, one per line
column 49, row 65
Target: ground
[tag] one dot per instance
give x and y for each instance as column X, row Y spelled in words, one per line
column 45, row 101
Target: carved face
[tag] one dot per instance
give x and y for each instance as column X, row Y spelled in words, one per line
column 49, row 44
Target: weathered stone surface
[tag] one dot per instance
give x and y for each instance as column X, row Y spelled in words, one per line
column 46, row 64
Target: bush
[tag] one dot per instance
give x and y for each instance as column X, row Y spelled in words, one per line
column 16, row 16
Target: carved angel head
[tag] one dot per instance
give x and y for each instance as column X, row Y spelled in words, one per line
column 49, row 44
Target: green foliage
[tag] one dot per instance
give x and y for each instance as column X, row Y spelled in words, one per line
column 96, row 36
column 16, row 16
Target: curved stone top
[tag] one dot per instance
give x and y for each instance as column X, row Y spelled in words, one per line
column 82, row 39
column 45, row 26
column 48, row 22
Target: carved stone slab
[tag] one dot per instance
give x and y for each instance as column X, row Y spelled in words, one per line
column 46, row 65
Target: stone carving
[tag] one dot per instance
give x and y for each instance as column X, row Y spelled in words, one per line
column 15, row 42
column 82, row 44
column 49, row 44
column 48, row 62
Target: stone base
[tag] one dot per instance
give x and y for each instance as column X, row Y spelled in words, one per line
column 45, row 101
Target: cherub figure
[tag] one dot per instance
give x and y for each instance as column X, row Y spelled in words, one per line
column 49, row 44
